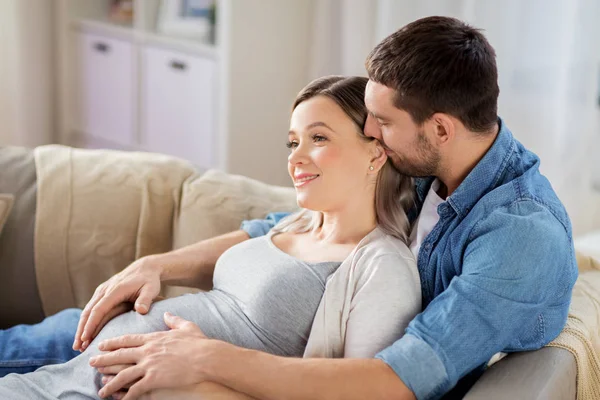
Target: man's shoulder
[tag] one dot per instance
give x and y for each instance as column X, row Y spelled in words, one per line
column 523, row 191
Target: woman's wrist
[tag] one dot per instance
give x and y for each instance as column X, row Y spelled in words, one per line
column 157, row 264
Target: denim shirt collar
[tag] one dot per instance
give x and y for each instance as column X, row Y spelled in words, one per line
column 481, row 179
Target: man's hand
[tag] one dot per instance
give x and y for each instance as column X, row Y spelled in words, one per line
column 137, row 285
column 152, row 361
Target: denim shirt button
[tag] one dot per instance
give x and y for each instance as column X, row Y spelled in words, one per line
column 442, row 209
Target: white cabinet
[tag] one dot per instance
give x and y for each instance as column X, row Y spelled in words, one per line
column 220, row 105
column 178, row 102
column 106, row 89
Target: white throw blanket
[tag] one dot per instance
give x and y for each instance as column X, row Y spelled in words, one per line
column 581, row 335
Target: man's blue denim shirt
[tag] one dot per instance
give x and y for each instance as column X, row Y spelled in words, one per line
column 497, row 271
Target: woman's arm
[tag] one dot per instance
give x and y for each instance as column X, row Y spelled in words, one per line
column 387, row 298
column 194, row 265
column 140, row 283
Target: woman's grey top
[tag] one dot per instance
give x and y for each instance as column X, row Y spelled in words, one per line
column 263, row 299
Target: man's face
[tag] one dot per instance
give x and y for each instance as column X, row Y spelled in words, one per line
column 406, row 143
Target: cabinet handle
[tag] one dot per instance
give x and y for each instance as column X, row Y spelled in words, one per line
column 178, row 65
column 102, row 47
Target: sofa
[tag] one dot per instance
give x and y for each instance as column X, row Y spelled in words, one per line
column 71, row 218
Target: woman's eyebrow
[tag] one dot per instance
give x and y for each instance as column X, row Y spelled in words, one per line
column 317, row 124
column 313, row 125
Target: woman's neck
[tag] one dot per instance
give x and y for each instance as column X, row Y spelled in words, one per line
column 347, row 226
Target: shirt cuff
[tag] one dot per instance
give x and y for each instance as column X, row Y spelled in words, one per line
column 256, row 227
column 418, row 366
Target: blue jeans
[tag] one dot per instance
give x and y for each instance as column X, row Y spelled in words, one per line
column 25, row 348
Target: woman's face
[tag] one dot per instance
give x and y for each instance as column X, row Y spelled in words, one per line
column 329, row 162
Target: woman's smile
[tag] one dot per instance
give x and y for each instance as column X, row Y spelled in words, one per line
column 304, row 179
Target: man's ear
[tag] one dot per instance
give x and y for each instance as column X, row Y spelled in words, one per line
column 444, row 128
column 378, row 157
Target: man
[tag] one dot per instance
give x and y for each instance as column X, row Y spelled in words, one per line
column 492, row 240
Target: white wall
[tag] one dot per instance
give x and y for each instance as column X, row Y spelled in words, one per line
column 7, row 70
column 26, row 72
column 548, row 55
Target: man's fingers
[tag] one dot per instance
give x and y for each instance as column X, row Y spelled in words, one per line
column 114, row 369
column 122, row 380
column 122, row 356
column 126, row 341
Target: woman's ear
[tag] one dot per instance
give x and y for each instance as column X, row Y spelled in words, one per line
column 378, row 157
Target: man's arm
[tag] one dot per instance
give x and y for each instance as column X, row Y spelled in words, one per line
column 512, row 295
column 268, row 377
column 260, row 227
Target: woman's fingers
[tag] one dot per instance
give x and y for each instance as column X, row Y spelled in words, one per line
column 123, row 379
column 107, row 378
column 99, row 292
column 118, row 395
column 138, row 389
column 118, row 310
column 109, row 301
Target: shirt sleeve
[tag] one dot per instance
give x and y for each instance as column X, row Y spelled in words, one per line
column 383, row 305
column 517, row 264
column 260, row 227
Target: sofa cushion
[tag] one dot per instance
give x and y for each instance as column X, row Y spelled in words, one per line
column 98, row 211
column 19, row 295
column 6, row 203
column 216, row 203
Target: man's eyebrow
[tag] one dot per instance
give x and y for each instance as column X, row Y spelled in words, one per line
column 377, row 116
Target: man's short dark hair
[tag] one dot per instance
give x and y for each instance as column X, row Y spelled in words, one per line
column 439, row 64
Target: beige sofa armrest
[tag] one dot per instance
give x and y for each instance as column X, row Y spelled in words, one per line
column 546, row 374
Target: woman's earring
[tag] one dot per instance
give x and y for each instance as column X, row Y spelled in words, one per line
column 371, row 168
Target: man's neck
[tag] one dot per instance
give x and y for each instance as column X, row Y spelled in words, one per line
column 471, row 151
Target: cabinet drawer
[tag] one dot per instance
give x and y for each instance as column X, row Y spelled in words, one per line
column 106, row 89
column 178, row 93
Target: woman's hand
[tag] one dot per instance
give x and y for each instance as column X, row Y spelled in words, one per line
column 137, row 285
column 153, row 361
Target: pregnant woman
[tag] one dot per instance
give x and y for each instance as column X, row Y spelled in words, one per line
column 266, row 291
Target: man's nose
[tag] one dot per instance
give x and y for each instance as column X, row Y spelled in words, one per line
column 372, row 129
